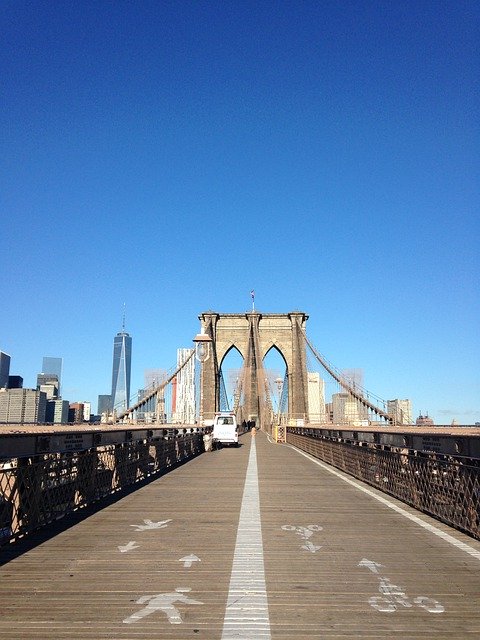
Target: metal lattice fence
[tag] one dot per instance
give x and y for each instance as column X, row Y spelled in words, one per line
column 37, row 490
column 445, row 487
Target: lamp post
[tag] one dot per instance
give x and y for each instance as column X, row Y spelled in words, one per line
column 279, row 383
column 202, row 353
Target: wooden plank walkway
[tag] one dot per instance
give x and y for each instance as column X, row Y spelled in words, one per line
column 335, row 562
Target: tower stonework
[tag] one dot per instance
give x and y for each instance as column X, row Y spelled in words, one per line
column 253, row 334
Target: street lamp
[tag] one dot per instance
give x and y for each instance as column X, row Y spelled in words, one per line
column 202, row 346
column 279, row 383
column 202, row 353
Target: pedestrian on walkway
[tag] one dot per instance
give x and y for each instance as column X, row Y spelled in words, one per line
column 208, row 440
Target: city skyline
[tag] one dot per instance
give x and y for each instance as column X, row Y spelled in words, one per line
column 400, row 409
column 177, row 156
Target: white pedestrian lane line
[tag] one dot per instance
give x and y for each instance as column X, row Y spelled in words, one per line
column 246, row 615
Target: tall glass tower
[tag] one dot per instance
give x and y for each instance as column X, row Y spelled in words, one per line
column 122, row 364
column 53, row 366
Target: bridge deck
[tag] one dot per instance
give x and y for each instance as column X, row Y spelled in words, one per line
column 335, row 562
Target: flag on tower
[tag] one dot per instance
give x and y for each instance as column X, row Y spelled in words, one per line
column 252, row 293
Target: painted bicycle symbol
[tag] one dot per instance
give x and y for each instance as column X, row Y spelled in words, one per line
column 394, row 596
column 305, row 533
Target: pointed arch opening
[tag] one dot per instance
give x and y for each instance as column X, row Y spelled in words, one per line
column 229, row 371
column 276, row 372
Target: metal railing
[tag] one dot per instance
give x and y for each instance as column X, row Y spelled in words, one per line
column 39, row 488
column 444, row 486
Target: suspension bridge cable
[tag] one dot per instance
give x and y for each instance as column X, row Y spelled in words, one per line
column 355, row 390
column 155, row 390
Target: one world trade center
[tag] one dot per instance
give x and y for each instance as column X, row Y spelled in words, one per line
column 122, row 362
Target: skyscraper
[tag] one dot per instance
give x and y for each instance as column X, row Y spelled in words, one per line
column 104, row 404
column 4, row 369
column 122, row 363
column 53, row 366
column 316, row 398
column 185, row 399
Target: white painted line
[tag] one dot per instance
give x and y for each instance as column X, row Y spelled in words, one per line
column 426, row 525
column 246, row 615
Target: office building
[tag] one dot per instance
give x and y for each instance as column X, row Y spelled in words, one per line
column 104, row 404
column 122, row 363
column 184, row 404
column 75, row 412
column 53, row 366
column 87, row 411
column 4, row 369
column 15, row 382
column 345, row 409
column 57, row 411
column 316, row 398
column 48, row 382
column 400, row 410
column 22, row 406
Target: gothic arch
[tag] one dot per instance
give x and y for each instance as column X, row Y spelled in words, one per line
column 256, row 332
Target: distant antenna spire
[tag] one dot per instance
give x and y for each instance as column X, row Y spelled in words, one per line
column 123, row 319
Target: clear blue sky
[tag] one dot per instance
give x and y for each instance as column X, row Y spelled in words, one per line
column 175, row 155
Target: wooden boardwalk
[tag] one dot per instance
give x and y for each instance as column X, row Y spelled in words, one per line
column 331, row 561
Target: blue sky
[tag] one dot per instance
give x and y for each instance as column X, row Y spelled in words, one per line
column 176, row 155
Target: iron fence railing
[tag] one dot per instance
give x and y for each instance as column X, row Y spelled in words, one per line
column 36, row 490
column 446, row 487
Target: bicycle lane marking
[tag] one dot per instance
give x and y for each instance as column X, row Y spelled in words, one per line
column 246, row 614
column 429, row 527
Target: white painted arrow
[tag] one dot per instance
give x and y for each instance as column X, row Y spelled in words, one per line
column 151, row 525
column 129, row 547
column 370, row 564
column 309, row 546
column 189, row 560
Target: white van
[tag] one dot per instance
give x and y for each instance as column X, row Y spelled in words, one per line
column 225, row 430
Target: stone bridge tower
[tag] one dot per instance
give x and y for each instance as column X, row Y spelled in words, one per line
column 253, row 334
